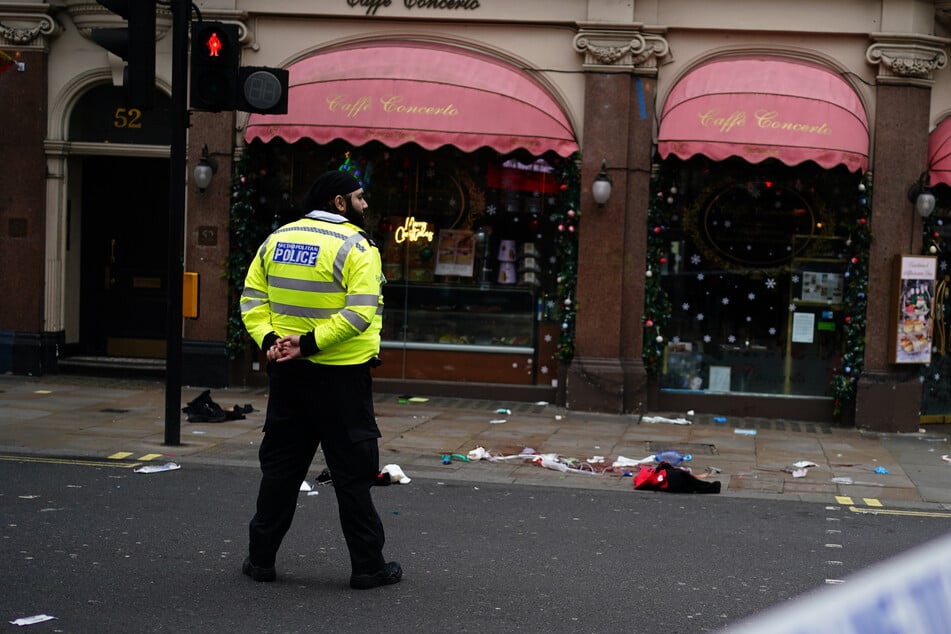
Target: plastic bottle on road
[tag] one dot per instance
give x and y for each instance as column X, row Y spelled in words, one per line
column 672, row 457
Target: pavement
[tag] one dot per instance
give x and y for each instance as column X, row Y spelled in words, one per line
column 121, row 422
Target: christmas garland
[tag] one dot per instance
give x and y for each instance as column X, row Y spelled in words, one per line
column 855, row 298
column 246, row 231
column 566, row 220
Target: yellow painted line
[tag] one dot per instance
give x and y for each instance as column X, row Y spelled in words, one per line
column 120, row 455
column 83, row 463
column 871, row 502
column 843, row 499
column 856, row 509
column 150, row 456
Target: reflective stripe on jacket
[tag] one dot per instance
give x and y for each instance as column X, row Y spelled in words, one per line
column 320, row 274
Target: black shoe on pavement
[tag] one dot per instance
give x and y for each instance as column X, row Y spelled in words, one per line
column 391, row 573
column 258, row 573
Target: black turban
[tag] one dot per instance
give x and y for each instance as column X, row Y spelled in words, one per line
column 328, row 186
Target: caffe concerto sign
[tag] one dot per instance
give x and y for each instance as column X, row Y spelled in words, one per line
column 764, row 119
column 372, row 6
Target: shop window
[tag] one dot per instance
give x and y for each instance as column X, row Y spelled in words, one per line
column 755, row 274
column 468, row 243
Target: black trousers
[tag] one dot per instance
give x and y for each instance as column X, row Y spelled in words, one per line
column 332, row 407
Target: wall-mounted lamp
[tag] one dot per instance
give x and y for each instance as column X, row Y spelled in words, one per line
column 601, row 187
column 920, row 194
column 206, row 168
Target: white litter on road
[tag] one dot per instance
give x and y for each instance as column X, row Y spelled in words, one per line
column 31, row 620
column 155, row 468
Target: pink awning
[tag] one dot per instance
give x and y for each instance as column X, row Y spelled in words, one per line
column 765, row 108
column 408, row 92
column 939, row 153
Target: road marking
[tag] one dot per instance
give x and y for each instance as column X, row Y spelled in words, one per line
column 84, row 463
column 856, row 509
column 120, row 455
column 843, row 499
column 833, row 582
column 871, row 502
column 150, row 456
column 833, row 545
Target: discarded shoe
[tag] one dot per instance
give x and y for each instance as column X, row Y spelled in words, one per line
column 202, row 409
column 258, row 573
column 391, row 573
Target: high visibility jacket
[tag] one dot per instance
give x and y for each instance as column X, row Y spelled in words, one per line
column 319, row 274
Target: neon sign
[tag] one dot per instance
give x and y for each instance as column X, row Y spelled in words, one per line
column 413, row 231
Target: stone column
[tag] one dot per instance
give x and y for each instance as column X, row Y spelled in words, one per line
column 30, row 239
column 888, row 396
column 607, row 373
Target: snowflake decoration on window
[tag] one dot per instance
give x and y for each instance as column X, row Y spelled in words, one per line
column 700, row 277
column 685, row 306
column 944, row 265
column 544, row 369
column 751, row 296
column 675, row 339
column 699, row 316
column 695, row 259
column 548, row 338
column 731, row 339
column 707, row 338
column 725, row 300
column 490, row 210
column 772, row 331
column 937, row 377
column 795, row 279
column 792, row 308
column 770, row 283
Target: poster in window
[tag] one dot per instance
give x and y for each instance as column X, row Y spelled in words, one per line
column 913, row 309
column 455, row 253
column 823, row 287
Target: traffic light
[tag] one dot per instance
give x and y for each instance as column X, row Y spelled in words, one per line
column 215, row 56
column 262, row 90
column 136, row 45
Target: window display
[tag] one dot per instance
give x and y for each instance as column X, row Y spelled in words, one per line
column 469, row 246
column 755, row 268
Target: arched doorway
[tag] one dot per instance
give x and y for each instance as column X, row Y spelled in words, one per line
column 117, row 217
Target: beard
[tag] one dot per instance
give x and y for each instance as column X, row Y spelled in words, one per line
column 353, row 216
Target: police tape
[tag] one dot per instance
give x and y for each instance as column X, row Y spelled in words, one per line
column 908, row 593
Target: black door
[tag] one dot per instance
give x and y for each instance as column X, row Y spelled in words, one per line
column 124, row 256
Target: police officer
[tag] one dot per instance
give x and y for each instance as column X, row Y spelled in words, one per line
column 313, row 300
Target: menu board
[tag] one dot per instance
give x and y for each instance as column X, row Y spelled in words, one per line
column 912, row 313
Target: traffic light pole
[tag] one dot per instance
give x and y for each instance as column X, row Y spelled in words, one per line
column 181, row 11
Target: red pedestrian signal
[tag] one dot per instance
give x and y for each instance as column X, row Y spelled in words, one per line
column 215, row 57
column 213, row 44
